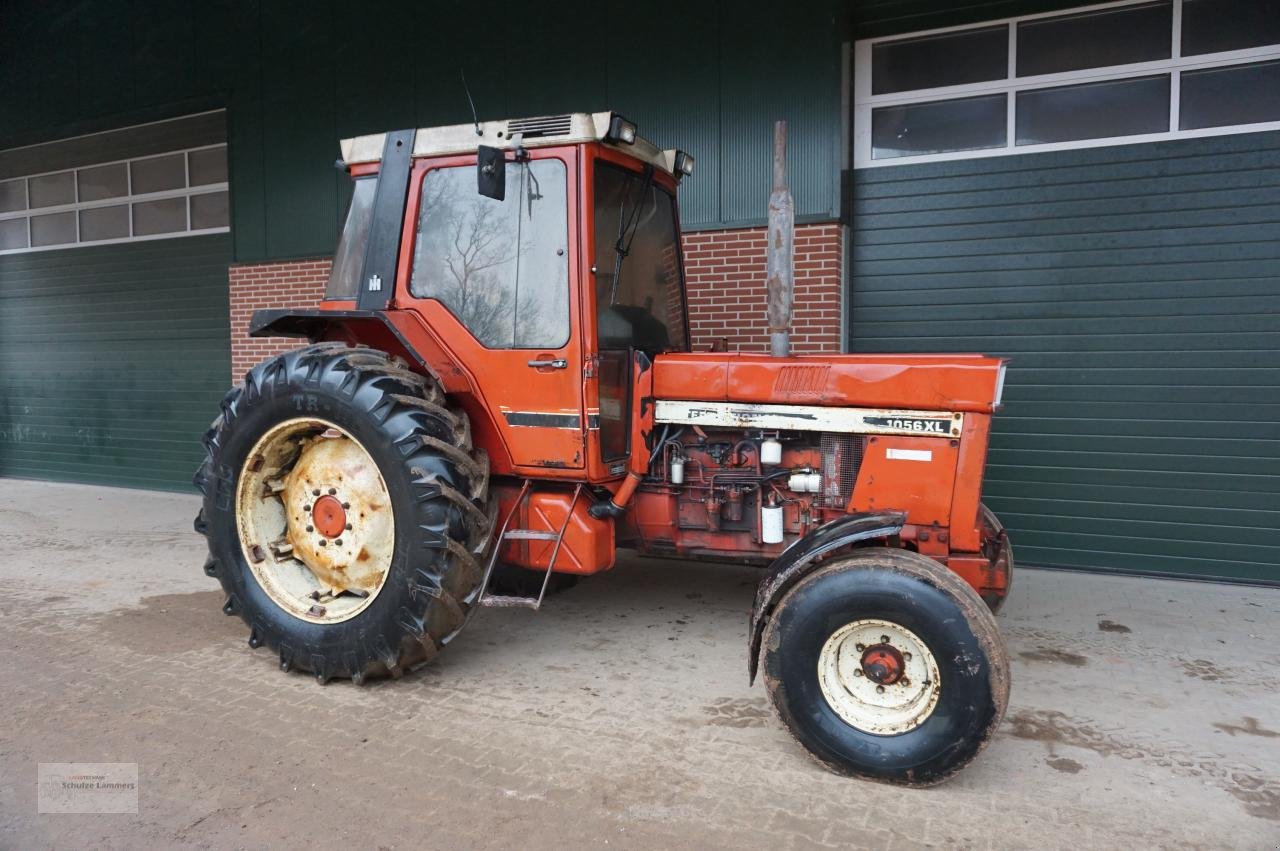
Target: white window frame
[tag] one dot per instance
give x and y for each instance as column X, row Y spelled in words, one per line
column 127, row 200
column 865, row 102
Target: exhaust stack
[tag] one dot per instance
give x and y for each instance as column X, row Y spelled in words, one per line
column 780, row 250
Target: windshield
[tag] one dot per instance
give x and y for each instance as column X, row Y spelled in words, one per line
column 349, row 257
column 639, row 280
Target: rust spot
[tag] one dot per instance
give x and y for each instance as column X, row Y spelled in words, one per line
column 1112, row 626
column 364, row 555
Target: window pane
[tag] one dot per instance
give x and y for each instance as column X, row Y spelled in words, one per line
column 13, row 195
column 1095, row 39
column 1240, row 94
column 209, row 210
column 159, row 173
column 104, row 223
column 167, row 215
column 508, row 295
column 1093, row 111
column 1209, row 26
column 13, row 233
column 54, row 229
column 104, row 181
column 50, row 190
column 970, row 56
column 642, row 307
column 349, row 257
column 208, row 166
column 966, row 124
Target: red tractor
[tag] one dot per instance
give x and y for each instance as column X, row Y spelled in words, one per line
column 499, row 385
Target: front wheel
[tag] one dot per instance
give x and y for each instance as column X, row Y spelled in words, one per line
column 886, row 665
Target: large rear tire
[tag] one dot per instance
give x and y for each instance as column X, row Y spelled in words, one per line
column 886, row 665
column 330, row 441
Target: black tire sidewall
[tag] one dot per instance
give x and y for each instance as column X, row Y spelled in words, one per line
column 376, row 633
column 961, row 722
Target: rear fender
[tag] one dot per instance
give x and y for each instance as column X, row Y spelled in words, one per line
column 802, row 558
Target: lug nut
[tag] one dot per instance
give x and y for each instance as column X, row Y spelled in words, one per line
column 879, row 689
column 338, row 542
column 348, row 527
column 316, row 492
column 860, row 647
column 884, row 639
column 906, row 655
column 311, row 528
column 346, row 506
column 857, row 672
column 323, row 542
column 306, row 508
column 332, row 491
column 316, row 611
column 904, row 681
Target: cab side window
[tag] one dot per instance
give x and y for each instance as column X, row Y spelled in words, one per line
column 501, row 267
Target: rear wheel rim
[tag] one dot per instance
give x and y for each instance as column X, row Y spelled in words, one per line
column 315, row 522
column 879, row 677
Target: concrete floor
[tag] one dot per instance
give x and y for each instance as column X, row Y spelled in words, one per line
column 1144, row 713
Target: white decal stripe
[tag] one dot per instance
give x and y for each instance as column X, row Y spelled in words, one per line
column 810, row 418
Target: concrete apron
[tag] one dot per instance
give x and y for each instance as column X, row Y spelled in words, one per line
column 1144, row 712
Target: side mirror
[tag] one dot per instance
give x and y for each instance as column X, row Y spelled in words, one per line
column 491, row 173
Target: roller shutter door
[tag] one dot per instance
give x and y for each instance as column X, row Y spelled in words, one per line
column 1137, row 291
column 113, row 360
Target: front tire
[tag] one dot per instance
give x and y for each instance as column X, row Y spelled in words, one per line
column 913, row 709
column 287, row 475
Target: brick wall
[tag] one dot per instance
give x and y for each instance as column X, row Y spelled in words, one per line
column 725, row 274
column 262, row 285
column 725, row 271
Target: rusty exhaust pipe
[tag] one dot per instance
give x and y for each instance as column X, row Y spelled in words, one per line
column 780, row 249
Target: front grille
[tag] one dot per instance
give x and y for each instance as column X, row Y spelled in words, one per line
column 547, row 125
column 841, row 458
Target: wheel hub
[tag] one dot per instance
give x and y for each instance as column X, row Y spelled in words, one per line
column 879, row 677
column 883, row 664
column 328, row 516
column 315, row 520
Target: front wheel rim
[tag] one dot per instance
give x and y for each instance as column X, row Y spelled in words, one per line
column 879, row 677
column 315, row 521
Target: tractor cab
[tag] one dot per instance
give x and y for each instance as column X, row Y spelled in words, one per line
column 541, row 255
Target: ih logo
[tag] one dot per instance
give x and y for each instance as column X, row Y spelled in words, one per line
column 375, row 284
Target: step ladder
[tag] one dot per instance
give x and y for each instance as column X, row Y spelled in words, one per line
column 505, row 533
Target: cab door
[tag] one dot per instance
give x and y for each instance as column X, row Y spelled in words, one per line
column 497, row 281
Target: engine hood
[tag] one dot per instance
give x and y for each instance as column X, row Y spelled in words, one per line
column 918, row 382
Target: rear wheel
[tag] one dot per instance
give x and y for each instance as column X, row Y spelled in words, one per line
column 345, row 511
column 886, row 665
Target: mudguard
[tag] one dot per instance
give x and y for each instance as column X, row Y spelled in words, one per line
column 802, row 557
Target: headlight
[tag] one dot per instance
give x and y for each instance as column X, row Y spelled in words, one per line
column 620, row 130
column 684, row 163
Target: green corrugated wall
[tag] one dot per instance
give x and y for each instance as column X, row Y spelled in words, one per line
column 113, row 359
column 1137, row 291
column 297, row 75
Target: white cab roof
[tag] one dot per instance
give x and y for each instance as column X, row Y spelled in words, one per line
column 541, row 132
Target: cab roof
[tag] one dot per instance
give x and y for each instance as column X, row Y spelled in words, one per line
column 540, row 132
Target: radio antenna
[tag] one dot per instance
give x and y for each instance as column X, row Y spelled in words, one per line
column 462, row 73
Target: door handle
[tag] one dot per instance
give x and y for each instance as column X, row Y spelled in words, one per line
column 557, row 363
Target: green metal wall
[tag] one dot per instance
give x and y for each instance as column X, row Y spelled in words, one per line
column 709, row 77
column 1137, row 291
column 112, row 360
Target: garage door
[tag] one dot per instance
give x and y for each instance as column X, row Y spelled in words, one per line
column 1137, row 291
column 112, row 360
